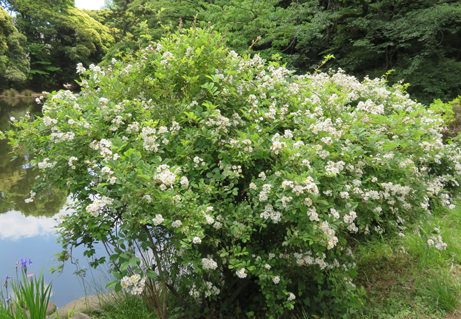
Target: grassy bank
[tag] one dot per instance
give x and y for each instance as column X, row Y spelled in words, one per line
column 403, row 276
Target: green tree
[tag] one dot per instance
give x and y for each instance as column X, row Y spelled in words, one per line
column 26, row 7
column 418, row 39
column 14, row 65
column 60, row 40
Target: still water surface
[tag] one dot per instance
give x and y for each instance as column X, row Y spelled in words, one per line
column 27, row 230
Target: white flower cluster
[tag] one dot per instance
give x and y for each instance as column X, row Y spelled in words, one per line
column 133, row 127
column 241, row 273
column 209, row 263
column 437, row 242
column 49, row 121
column 286, row 200
column 72, row 159
column 310, row 187
column 103, row 100
column 147, row 198
column 370, row 107
column 105, row 149
column 98, row 204
column 269, row 212
column 176, row 224
column 158, row 219
column 133, row 284
column 166, row 177
column 174, row 127
column 277, row 146
column 45, row 164
column 209, row 290
column 220, row 121
column 184, row 181
column 333, row 168
column 332, row 239
column 62, row 137
column 149, row 138
column 80, row 68
column 312, row 214
column 349, row 218
column 209, row 219
column 198, row 161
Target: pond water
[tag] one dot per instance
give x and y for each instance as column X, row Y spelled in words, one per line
column 27, row 230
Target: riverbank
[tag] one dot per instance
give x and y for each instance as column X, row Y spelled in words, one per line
column 80, row 308
column 12, row 93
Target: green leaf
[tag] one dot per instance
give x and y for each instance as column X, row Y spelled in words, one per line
column 111, row 284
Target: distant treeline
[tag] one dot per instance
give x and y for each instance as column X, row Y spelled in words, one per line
column 417, row 39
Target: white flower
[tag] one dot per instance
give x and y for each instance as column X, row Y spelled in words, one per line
column 148, row 198
column 196, row 240
column 103, row 100
column 80, row 68
column 241, row 273
column 267, row 266
column 291, row 296
column 262, row 176
column 209, row 219
column 286, row 200
column 276, row 280
column 184, row 181
column 263, row 197
column 166, row 177
column 158, row 219
column 209, row 263
column 176, row 224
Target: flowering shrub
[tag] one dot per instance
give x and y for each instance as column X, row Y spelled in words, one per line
column 234, row 178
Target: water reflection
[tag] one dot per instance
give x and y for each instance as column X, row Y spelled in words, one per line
column 14, row 225
column 27, row 229
column 17, row 177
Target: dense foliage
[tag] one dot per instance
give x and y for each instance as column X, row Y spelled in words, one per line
column 14, row 65
column 231, row 181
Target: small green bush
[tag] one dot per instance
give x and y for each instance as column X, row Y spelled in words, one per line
column 228, row 182
column 451, row 114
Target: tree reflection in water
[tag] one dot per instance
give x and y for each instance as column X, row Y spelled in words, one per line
column 17, row 176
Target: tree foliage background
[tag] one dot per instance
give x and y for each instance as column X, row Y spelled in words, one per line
column 416, row 39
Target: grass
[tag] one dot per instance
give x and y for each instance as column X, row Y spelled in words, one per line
column 123, row 306
column 403, row 276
